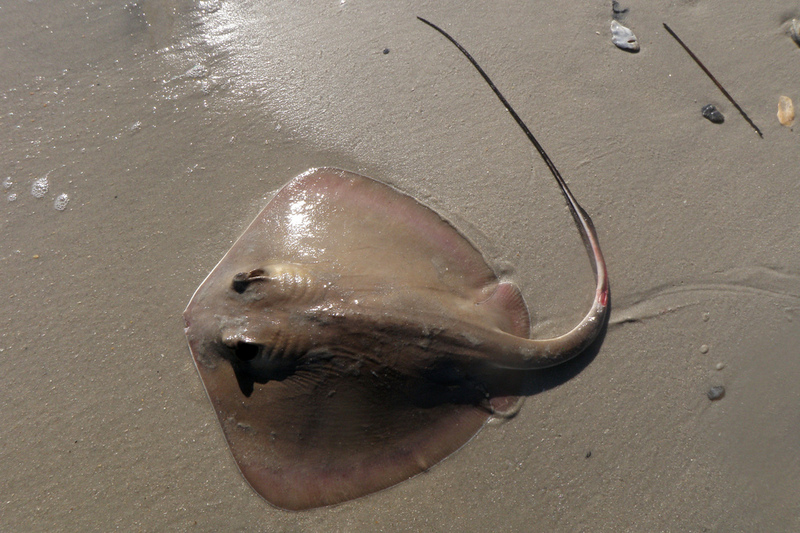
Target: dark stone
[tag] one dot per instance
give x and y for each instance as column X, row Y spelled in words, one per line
column 716, row 393
column 712, row 114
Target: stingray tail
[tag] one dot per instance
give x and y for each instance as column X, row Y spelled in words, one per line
column 530, row 353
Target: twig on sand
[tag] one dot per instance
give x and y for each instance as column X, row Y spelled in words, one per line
column 721, row 88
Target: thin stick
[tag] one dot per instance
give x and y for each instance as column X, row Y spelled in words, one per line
column 719, row 86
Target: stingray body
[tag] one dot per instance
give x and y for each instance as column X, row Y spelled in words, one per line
column 352, row 338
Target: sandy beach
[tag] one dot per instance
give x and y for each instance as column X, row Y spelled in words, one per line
column 168, row 125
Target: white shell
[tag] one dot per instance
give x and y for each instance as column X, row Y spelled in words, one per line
column 623, row 37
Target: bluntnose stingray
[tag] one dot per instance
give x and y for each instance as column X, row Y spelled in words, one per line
column 352, row 338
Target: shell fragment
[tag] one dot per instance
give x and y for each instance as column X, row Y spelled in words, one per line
column 623, row 37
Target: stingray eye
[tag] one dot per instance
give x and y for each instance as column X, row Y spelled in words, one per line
column 242, row 280
column 246, row 351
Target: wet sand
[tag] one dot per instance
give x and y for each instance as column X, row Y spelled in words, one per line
column 169, row 123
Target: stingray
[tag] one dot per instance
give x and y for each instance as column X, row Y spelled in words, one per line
column 352, row 337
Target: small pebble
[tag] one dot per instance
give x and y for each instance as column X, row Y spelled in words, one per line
column 61, row 201
column 716, row 392
column 785, row 111
column 720, row 366
column 385, row 51
column 623, row 37
column 12, row 197
column 706, row 317
column 40, row 187
column 704, row 348
column 712, row 114
column 7, row 183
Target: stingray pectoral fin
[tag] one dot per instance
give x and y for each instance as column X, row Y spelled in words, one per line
column 341, row 427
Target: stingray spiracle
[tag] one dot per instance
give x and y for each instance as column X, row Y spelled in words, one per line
column 280, row 282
